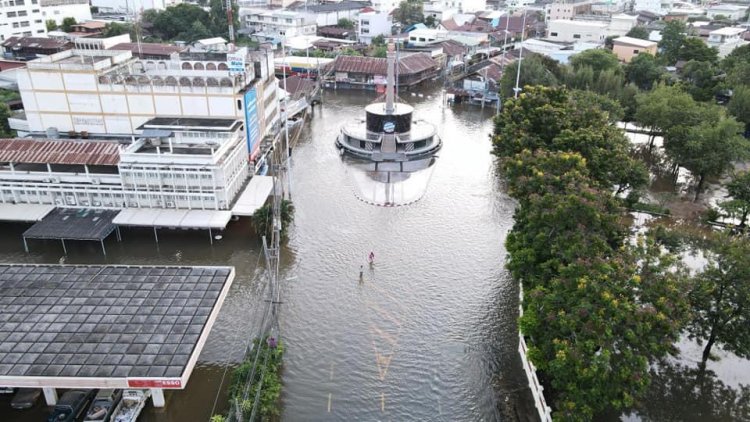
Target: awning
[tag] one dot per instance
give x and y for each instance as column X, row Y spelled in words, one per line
column 184, row 219
column 74, row 224
column 24, row 212
column 254, row 196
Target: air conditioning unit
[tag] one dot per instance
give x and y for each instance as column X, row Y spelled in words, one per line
column 95, row 181
column 54, row 180
column 97, row 204
column 47, row 180
column 170, row 204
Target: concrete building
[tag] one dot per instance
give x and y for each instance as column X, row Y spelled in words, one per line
column 110, row 92
column 621, row 24
column 732, row 12
column 328, row 14
column 279, row 23
column 372, row 24
column 58, row 10
column 566, row 9
column 659, row 7
column 427, row 36
column 132, row 6
column 464, row 6
column 625, row 48
column 176, row 164
column 21, row 18
column 438, row 11
column 384, row 6
column 30, row 47
column 573, row 31
column 726, row 39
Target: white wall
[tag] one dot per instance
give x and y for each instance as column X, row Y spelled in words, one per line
column 372, row 24
column 133, row 5
column 21, row 20
column 573, row 31
column 56, row 10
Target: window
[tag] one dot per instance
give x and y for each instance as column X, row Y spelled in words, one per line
column 22, row 13
column 15, row 24
column 38, row 21
column 239, row 104
column 576, row 36
column 288, row 21
column 20, row 2
column 553, row 34
column 421, row 39
column 11, row 14
column 24, row 24
column 40, row 31
column 636, row 51
column 35, row 11
column 274, row 19
column 365, row 22
column 57, row 12
column 365, row 30
column 34, row 1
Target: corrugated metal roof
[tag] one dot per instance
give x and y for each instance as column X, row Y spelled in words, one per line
column 59, row 152
column 407, row 65
column 149, row 49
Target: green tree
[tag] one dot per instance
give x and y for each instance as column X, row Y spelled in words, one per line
column 345, row 23
column 5, row 114
column 644, row 70
column 739, row 190
column 610, row 83
column 696, row 49
column 113, row 29
column 709, row 149
column 197, row 31
column 638, row 32
column 67, row 24
column 380, row 51
column 379, row 40
column 51, row 24
column 175, row 21
column 720, row 296
column 430, row 21
column 672, row 38
column 700, row 79
column 597, row 59
column 534, row 72
column 665, row 108
column 409, row 12
column 739, row 105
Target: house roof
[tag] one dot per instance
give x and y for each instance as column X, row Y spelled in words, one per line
column 637, row 42
column 91, row 25
column 334, row 7
column 728, row 31
column 34, row 42
column 59, row 152
column 334, row 31
column 407, row 65
column 452, row 47
column 296, row 86
column 10, row 64
column 151, row 49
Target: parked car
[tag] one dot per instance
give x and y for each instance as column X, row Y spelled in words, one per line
column 25, row 398
column 72, row 406
column 103, row 405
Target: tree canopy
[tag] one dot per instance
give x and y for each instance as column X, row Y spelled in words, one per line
column 672, row 37
column 638, row 32
column 188, row 22
column 644, row 71
column 409, row 12
column 67, row 24
column 739, row 190
column 536, row 71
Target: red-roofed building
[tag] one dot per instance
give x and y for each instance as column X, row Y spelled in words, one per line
column 365, row 72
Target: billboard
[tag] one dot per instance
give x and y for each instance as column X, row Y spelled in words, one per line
column 236, row 61
column 252, row 123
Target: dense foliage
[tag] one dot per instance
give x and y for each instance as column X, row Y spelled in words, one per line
column 188, row 22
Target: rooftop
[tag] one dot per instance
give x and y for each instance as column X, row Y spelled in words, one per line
column 190, row 123
column 71, row 223
column 149, row 49
column 34, row 42
column 729, row 31
column 635, row 42
column 50, row 151
column 105, row 326
column 334, row 7
column 410, row 64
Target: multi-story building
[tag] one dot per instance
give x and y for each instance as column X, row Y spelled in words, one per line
column 726, row 39
column 21, row 18
column 464, row 6
column 567, row 9
column 373, row 24
column 733, row 12
column 113, row 93
column 574, row 31
column 626, row 48
column 176, row 163
column 384, row 6
column 279, row 23
column 57, row 10
column 131, row 7
column 329, row 13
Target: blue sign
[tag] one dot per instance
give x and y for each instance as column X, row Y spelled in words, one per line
column 252, row 123
column 389, row 127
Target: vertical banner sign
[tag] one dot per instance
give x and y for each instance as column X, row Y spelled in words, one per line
column 236, row 61
column 252, row 125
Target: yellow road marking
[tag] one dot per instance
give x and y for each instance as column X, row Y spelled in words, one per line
column 329, row 402
column 383, row 363
column 383, row 313
column 384, row 335
column 331, row 375
column 382, row 402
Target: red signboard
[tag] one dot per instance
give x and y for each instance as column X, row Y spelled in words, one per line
column 155, row 383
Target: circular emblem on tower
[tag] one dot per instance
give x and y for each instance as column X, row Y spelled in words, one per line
column 389, row 127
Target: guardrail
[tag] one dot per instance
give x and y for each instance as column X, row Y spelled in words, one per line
column 537, row 390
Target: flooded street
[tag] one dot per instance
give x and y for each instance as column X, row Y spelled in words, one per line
column 429, row 334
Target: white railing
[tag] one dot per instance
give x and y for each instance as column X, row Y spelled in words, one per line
column 537, row 390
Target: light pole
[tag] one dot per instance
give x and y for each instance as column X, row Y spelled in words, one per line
column 517, row 89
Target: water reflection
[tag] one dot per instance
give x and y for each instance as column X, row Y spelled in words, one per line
column 390, row 183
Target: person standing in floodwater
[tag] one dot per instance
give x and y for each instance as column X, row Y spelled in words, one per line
column 371, row 257
column 361, row 272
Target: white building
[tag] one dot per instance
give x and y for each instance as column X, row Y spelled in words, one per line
column 726, row 39
column 573, row 31
column 192, row 164
column 730, row 11
column 660, row 7
column 621, row 24
column 58, row 10
column 328, row 14
column 372, row 24
column 564, row 9
column 132, row 6
column 278, row 23
column 464, row 6
column 21, row 18
column 427, row 36
column 438, row 11
column 111, row 92
column 385, row 6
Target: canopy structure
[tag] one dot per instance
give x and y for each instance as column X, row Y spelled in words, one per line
column 73, row 224
column 24, row 212
column 171, row 218
column 254, row 196
column 70, row 326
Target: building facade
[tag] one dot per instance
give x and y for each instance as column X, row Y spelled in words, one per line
column 567, row 9
column 197, row 164
column 626, row 48
column 279, row 23
column 373, row 24
column 132, row 7
column 726, row 39
column 21, row 18
column 574, row 31
column 57, row 10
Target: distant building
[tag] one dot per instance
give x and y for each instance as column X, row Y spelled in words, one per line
column 729, row 11
column 368, row 72
column 386, row 6
column 279, row 23
column 90, row 28
column 463, row 6
column 131, row 7
column 625, row 48
column 726, row 39
column 57, row 10
column 572, row 31
column 621, row 24
column 373, row 24
column 215, row 44
column 31, row 47
column 563, row 9
column 149, row 51
column 328, row 14
column 21, row 18
column 658, row 7
column 335, row 32
column 427, row 36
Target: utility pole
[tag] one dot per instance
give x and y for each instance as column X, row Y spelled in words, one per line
column 230, row 24
column 517, row 89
